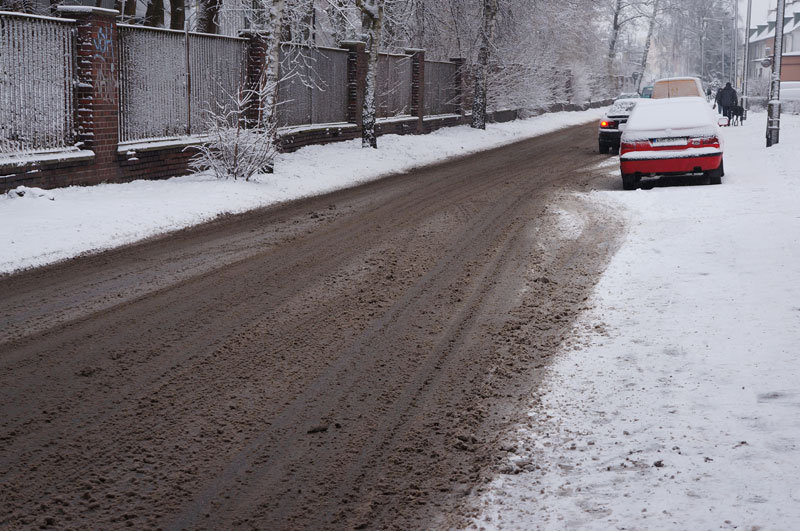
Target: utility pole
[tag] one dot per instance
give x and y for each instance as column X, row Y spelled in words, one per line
column 735, row 44
column 774, row 106
column 746, row 68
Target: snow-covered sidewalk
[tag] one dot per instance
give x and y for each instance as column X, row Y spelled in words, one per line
column 38, row 229
column 681, row 407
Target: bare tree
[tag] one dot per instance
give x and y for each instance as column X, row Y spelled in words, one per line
column 482, row 67
column 177, row 14
column 651, row 26
column 208, row 15
column 372, row 24
column 154, row 16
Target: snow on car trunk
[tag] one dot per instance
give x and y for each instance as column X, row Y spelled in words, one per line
column 678, row 117
column 676, row 403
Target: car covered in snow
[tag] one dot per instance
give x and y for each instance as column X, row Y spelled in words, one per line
column 675, row 136
column 678, row 87
column 613, row 123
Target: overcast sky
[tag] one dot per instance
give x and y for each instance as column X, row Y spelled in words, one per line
column 760, row 8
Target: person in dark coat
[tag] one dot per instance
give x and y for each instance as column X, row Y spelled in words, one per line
column 728, row 99
column 716, row 100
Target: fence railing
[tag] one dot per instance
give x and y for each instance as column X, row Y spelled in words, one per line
column 440, row 88
column 393, row 91
column 153, row 101
column 313, row 88
column 37, row 77
column 169, row 79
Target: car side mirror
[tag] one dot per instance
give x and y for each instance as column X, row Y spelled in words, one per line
column 723, row 122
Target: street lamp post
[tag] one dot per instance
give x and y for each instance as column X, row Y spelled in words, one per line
column 774, row 106
column 746, row 67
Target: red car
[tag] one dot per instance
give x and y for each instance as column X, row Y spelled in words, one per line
column 676, row 136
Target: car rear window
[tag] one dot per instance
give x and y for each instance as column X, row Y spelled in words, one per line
column 675, row 88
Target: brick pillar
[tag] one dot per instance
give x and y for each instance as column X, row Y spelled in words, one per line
column 418, row 86
column 460, row 86
column 256, row 64
column 97, row 93
column 356, row 79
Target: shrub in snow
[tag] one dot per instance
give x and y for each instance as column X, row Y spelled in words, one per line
column 234, row 150
column 24, row 191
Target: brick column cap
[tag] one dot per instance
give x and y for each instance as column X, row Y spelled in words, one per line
column 88, row 10
column 250, row 34
column 352, row 44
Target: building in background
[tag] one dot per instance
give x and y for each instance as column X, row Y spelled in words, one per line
column 761, row 42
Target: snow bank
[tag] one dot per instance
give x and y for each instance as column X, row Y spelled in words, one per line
column 87, row 219
column 681, row 407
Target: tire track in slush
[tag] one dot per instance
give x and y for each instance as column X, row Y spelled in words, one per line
column 450, row 238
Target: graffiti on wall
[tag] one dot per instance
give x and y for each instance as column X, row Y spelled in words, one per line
column 106, row 79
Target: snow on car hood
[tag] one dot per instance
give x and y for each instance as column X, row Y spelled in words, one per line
column 674, row 117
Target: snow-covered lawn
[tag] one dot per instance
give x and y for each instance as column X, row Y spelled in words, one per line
column 680, row 409
column 38, row 229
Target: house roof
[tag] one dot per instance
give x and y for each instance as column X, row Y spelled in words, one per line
column 791, row 22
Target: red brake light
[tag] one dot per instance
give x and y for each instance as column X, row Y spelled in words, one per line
column 710, row 141
column 603, row 124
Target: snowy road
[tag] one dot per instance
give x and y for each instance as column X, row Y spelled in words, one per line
column 338, row 362
column 675, row 403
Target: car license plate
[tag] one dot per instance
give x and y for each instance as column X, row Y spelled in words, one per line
column 669, row 141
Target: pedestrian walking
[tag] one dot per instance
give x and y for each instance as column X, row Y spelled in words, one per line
column 728, row 99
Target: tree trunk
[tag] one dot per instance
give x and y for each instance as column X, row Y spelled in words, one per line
column 269, row 86
column 130, row 9
column 650, row 29
column 372, row 23
column 612, row 44
column 207, row 13
column 337, row 16
column 482, row 68
column 177, row 14
column 154, row 16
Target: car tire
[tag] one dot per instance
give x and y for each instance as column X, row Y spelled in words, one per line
column 604, row 148
column 715, row 176
column 629, row 181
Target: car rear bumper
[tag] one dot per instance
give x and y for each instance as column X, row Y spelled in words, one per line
column 610, row 136
column 669, row 162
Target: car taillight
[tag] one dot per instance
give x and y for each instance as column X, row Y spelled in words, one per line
column 624, row 147
column 709, row 141
column 608, row 124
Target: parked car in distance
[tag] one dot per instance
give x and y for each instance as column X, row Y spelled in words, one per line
column 613, row 123
column 627, row 96
column 673, row 136
column 790, row 90
column 647, row 92
column 678, row 87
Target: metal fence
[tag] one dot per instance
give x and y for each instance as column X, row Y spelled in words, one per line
column 153, row 101
column 37, row 76
column 217, row 66
column 440, row 88
column 393, row 91
column 169, row 79
column 313, row 86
